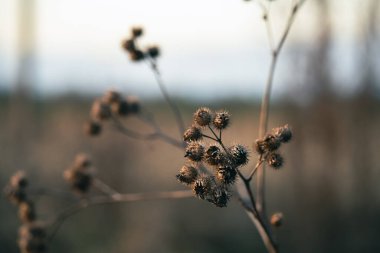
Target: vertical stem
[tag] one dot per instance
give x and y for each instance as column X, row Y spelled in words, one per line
column 165, row 93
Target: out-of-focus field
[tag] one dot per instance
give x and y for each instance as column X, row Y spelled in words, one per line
column 328, row 189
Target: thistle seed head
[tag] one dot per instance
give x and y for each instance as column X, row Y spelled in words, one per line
column 272, row 142
column 194, row 133
column 276, row 219
column 26, row 212
column 187, row 175
column 15, row 195
column 136, row 32
column 239, row 154
column 203, row 116
column 213, row 155
column 203, row 186
column 227, row 174
column 220, row 196
column 136, row 55
column 111, row 97
column 133, row 104
column 92, row 128
column 100, row 110
column 221, row 120
column 153, row 52
column 275, row 160
column 284, row 133
column 128, row 45
column 19, row 180
column 121, row 108
column 32, row 230
column 194, row 151
column 82, row 161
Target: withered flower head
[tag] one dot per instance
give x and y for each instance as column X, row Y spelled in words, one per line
column 239, row 154
column 227, row 174
column 187, row 174
column 133, row 104
column 136, row 32
column 92, row 128
column 213, row 155
column 26, row 212
column 203, row 116
column 272, row 142
column 194, row 151
column 111, row 97
column 203, row 186
column 32, row 239
column 79, row 180
column 121, row 108
column 82, row 161
column 136, row 55
column 220, row 196
column 260, row 146
column 276, row 219
column 153, row 52
column 100, row 110
column 19, row 180
column 128, row 45
column 275, row 160
column 284, row 134
column 221, row 120
column 15, row 195
column 194, row 133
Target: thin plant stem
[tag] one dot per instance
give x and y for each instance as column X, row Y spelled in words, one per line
column 264, row 111
column 114, row 198
column 157, row 134
column 165, row 93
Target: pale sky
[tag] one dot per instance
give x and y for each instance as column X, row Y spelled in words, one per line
column 218, row 47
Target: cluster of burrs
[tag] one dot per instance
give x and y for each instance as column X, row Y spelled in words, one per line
column 211, row 185
column 134, row 51
column 111, row 105
column 32, row 233
column 268, row 146
column 80, row 174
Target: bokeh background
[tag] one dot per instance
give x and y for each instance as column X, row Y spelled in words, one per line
column 57, row 56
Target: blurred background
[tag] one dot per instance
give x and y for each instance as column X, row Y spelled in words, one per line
column 57, row 56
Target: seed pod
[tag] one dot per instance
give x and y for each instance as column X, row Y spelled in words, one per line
column 15, row 195
column 220, row 196
column 111, row 97
column 203, row 116
column 92, row 128
column 121, row 108
column 227, row 174
column 100, row 110
column 203, row 186
column 187, row 174
column 26, row 212
column 213, row 155
column 133, row 104
column 276, row 219
column 260, row 146
column 153, row 52
column 275, row 160
column 128, row 45
column 192, row 134
column 194, row 151
column 19, row 180
column 272, row 142
column 221, row 120
column 136, row 55
column 82, row 161
column 239, row 154
column 284, row 134
column 137, row 32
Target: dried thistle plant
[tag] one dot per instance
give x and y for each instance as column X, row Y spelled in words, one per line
column 211, row 168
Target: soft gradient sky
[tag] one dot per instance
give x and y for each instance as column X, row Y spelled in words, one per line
column 218, row 47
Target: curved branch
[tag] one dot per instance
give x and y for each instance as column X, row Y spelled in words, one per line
column 115, row 198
